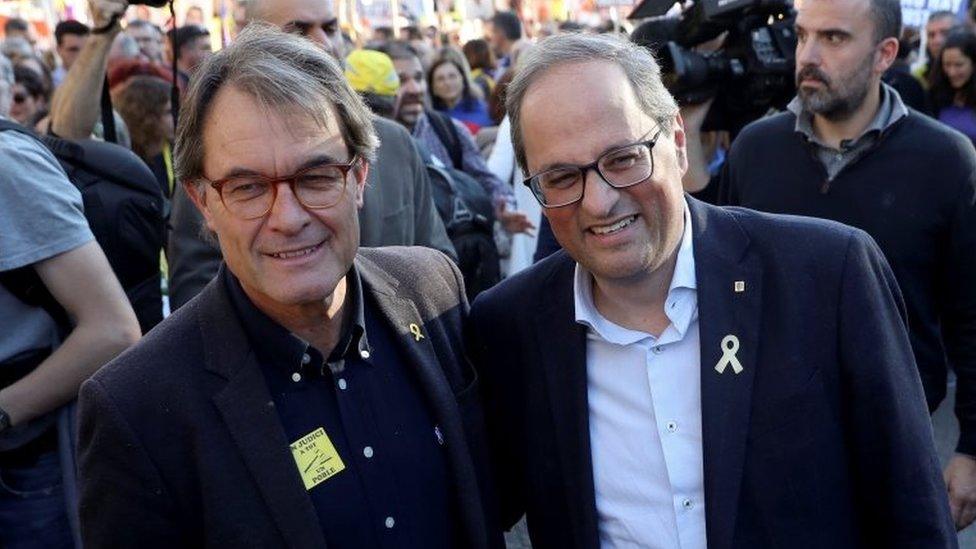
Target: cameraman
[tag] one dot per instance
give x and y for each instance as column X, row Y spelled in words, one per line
column 849, row 150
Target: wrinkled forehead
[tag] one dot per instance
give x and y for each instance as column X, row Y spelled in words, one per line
column 282, row 12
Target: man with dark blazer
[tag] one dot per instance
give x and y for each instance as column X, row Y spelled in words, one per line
column 312, row 395
column 686, row 376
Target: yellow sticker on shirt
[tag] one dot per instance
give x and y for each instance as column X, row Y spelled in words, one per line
column 316, row 458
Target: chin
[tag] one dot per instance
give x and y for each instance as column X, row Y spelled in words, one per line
column 621, row 266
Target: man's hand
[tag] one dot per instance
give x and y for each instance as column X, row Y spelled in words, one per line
column 512, row 221
column 102, row 11
column 960, row 479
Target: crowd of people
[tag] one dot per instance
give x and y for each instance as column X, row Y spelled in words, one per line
column 405, row 292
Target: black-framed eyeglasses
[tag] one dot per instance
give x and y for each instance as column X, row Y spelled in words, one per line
column 20, row 98
column 621, row 167
column 252, row 196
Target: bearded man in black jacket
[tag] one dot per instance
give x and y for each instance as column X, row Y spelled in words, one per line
column 849, row 150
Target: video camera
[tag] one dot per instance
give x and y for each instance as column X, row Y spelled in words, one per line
column 751, row 72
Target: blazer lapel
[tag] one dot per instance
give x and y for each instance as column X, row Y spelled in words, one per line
column 562, row 350
column 246, row 407
column 729, row 303
column 401, row 314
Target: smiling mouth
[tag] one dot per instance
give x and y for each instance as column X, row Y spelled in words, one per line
column 615, row 227
column 297, row 253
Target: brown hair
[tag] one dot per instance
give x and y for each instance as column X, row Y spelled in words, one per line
column 142, row 101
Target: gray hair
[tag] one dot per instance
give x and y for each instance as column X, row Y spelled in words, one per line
column 6, row 84
column 278, row 70
column 16, row 48
column 637, row 63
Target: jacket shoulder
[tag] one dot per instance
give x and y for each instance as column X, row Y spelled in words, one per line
column 391, row 134
column 942, row 147
column 770, row 127
column 421, row 274
column 790, row 242
column 172, row 352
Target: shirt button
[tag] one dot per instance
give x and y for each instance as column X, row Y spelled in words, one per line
column 687, row 504
column 658, row 350
column 671, row 426
column 342, row 384
column 364, row 353
column 296, row 377
column 306, row 359
column 389, row 522
column 368, row 452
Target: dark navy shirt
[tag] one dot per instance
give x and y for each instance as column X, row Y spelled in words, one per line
column 392, row 488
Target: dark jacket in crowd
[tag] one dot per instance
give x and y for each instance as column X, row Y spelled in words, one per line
column 915, row 193
column 899, row 76
column 822, row 440
column 180, row 444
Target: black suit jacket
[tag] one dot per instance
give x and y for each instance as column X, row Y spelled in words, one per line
column 822, row 441
column 180, row 445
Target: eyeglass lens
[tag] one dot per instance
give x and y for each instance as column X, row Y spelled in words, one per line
column 620, row 168
column 252, row 196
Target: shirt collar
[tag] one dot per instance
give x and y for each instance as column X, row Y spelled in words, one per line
column 681, row 304
column 891, row 110
column 274, row 344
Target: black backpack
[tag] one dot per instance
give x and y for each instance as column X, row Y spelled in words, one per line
column 125, row 210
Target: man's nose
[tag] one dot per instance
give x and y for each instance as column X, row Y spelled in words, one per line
column 807, row 53
column 599, row 197
column 320, row 37
column 287, row 213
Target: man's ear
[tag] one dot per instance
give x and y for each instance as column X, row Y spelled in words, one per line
column 887, row 52
column 197, row 192
column 360, row 172
column 680, row 143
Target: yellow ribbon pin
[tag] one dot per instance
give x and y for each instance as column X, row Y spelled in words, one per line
column 730, row 346
column 415, row 330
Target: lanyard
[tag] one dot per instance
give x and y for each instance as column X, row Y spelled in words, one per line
column 168, row 161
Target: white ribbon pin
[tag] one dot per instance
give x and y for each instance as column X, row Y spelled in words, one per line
column 730, row 346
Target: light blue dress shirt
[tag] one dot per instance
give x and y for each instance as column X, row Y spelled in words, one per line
column 644, row 396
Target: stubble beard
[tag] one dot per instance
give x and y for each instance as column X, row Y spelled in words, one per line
column 837, row 100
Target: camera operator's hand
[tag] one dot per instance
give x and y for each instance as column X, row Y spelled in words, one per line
column 104, row 11
column 697, row 176
column 75, row 106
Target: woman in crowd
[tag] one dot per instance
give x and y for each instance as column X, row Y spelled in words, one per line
column 953, row 87
column 144, row 103
column 452, row 92
column 482, row 62
column 29, row 97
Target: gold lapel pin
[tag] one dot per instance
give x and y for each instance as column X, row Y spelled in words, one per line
column 415, row 330
column 739, row 286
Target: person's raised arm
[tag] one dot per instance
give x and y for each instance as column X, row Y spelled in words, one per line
column 76, row 106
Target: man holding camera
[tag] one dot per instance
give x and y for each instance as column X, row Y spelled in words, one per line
column 850, row 151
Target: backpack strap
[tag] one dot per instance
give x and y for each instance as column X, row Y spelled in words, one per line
column 447, row 132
